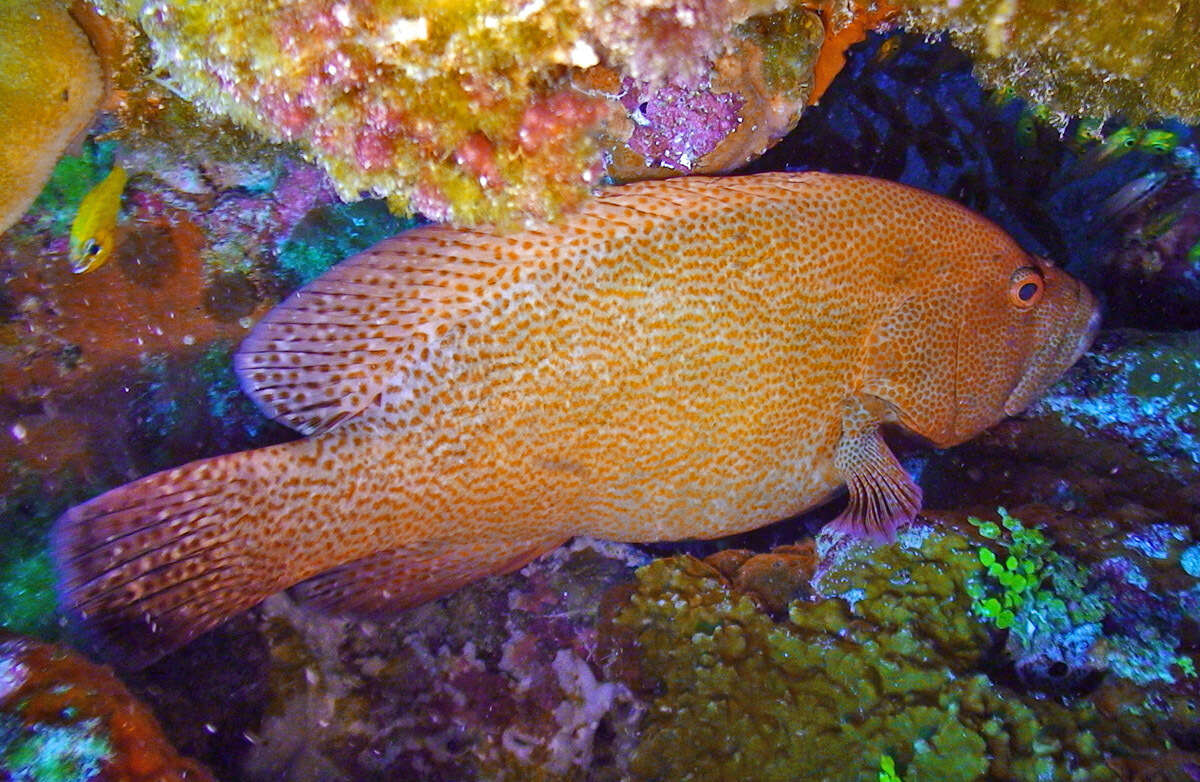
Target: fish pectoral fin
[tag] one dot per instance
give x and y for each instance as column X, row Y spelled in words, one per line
column 327, row 352
column 399, row 578
column 883, row 497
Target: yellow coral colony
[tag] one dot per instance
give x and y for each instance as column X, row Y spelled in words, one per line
column 50, row 85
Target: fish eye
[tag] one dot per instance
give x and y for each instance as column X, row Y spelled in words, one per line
column 1026, row 286
column 92, row 247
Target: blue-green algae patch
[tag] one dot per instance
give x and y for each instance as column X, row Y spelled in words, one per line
column 27, row 597
column 72, row 178
column 329, row 234
column 51, row 753
column 28, row 602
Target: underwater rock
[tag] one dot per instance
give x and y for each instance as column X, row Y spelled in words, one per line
column 50, row 86
column 1073, row 607
column 498, row 681
column 189, row 273
column 775, row 578
column 62, row 717
column 749, row 99
column 1141, row 389
column 333, row 232
column 1079, row 58
column 460, row 112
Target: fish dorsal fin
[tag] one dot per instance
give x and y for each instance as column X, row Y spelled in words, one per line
column 326, row 352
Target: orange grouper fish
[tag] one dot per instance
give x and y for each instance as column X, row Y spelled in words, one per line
column 686, row 358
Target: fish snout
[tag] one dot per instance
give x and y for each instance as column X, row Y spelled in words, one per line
column 1068, row 339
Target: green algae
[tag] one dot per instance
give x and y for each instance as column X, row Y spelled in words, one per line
column 886, row 663
column 72, row 178
column 1089, row 58
column 27, row 598
column 28, row 602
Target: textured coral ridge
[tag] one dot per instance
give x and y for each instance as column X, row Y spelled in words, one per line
column 62, row 717
column 1088, row 58
column 460, row 110
column 878, row 654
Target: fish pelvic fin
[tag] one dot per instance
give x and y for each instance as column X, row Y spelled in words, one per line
column 147, row 567
column 392, row 580
column 883, row 497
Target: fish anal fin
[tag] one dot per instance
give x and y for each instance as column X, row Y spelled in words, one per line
column 396, row 579
column 883, row 497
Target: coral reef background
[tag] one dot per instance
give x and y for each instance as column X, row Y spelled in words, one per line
column 1068, row 651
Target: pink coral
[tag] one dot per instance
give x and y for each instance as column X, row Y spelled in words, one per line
column 463, row 111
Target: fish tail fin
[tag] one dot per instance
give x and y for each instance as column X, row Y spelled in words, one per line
column 148, row 566
column 399, row 578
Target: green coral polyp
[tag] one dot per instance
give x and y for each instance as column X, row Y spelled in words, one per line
column 829, row 691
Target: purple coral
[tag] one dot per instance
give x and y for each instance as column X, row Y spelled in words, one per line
column 676, row 126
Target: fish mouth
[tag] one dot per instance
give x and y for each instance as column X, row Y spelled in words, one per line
column 1089, row 332
column 1058, row 354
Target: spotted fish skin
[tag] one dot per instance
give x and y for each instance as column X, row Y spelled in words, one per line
column 682, row 358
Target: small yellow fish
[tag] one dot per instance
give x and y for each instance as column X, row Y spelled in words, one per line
column 1120, row 142
column 1158, row 142
column 93, row 231
column 1031, row 119
column 1088, row 131
column 681, row 358
column 1002, row 96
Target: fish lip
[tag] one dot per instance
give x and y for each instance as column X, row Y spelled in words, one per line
column 1087, row 337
